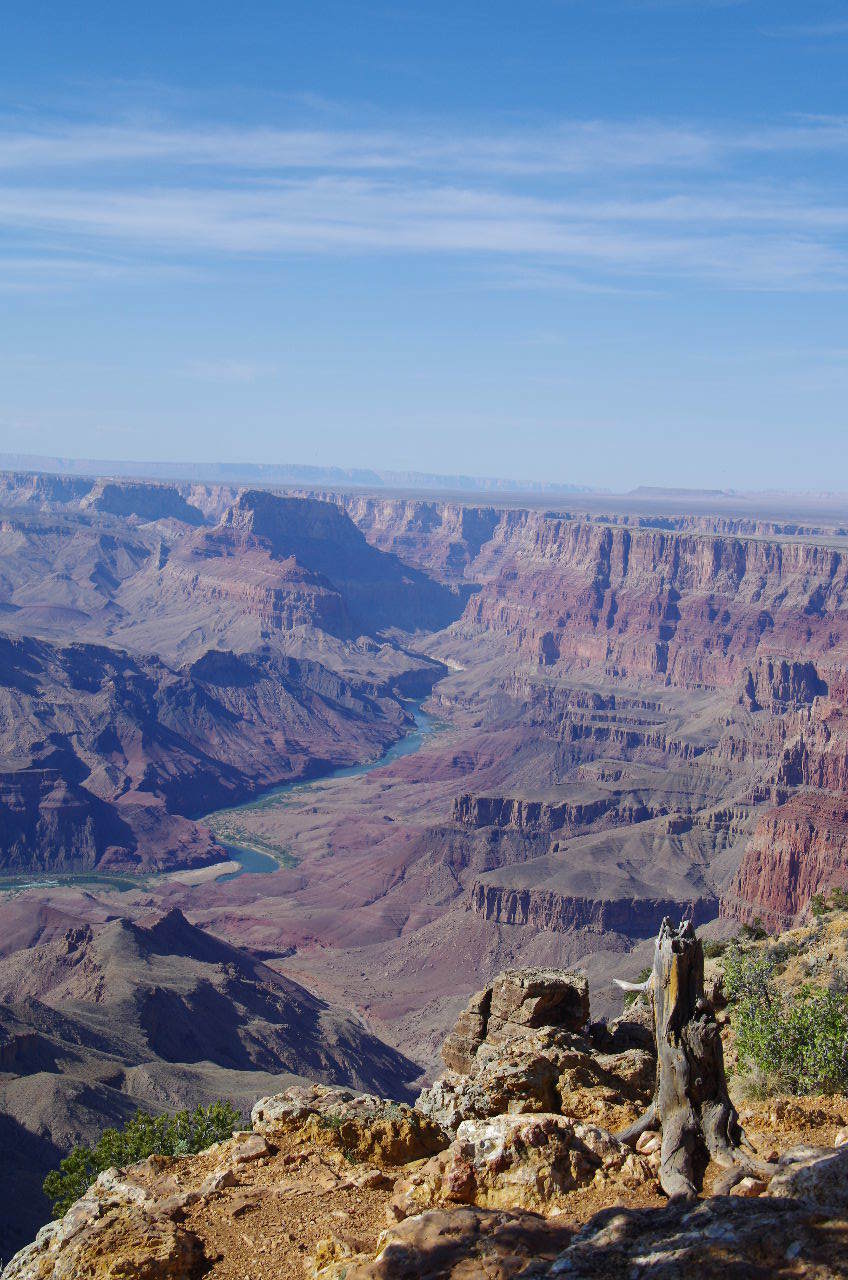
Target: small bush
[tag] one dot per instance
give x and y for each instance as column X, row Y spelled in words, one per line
column 753, row 932
column 713, row 949
column 798, row 1041
column 144, row 1135
column 781, row 951
column 330, row 1121
column 820, row 906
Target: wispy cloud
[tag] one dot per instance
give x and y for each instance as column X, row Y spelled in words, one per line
column 811, row 30
column 599, row 203
column 575, row 147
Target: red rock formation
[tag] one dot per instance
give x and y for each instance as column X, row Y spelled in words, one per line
column 797, row 850
column 540, row 816
column 779, row 685
column 687, row 610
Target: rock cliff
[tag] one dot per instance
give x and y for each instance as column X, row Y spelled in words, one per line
column 518, row 1175
column 107, row 757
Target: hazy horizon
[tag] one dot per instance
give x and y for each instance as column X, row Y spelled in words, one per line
column 313, row 478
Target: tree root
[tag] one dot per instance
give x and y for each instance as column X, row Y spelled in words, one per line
column 646, row 1122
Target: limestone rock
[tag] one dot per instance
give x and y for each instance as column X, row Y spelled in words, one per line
column 749, row 1186
column 246, row 1147
column 524, row 998
column 539, row 1070
column 821, row 1179
column 518, row 999
column 364, row 1127
column 125, row 1242
column 712, row 1239
column 462, row 1043
column 460, row 1244
column 518, row 1162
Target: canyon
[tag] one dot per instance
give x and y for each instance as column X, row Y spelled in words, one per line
column 637, row 715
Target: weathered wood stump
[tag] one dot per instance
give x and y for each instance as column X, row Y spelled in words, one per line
column 691, row 1104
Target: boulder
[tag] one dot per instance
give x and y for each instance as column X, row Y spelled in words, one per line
column 107, row 1235
column 519, row 1162
column 518, row 1000
column 713, row 1239
column 460, row 1244
column 523, row 998
column 821, row 1178
column 362, row 1126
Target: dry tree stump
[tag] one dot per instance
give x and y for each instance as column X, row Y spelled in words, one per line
column 691, row 1105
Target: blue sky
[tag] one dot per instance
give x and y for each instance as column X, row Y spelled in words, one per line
column 598, row 241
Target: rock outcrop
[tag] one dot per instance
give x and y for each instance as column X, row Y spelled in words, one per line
column 522, row 1047
column 717, row 1238
column 780, row 684
column 363, row 1127
column 309, row 1190
column 520, row 1161
column 460, row 1243
column 523, row 1090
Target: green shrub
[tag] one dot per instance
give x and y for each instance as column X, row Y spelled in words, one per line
column 753, row 932
column 797, row 1041
column 820, row 906
column 144, row 1135
column 714, row 949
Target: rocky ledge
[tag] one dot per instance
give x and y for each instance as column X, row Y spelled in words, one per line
column 507, row 1166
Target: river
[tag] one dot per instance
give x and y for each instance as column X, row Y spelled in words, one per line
column 251, row 861
column 254, row 861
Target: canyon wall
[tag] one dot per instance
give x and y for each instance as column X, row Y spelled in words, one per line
column 711, row 650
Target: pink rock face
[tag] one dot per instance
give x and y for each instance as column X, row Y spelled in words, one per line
column 648, row 604
column 798, row 850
